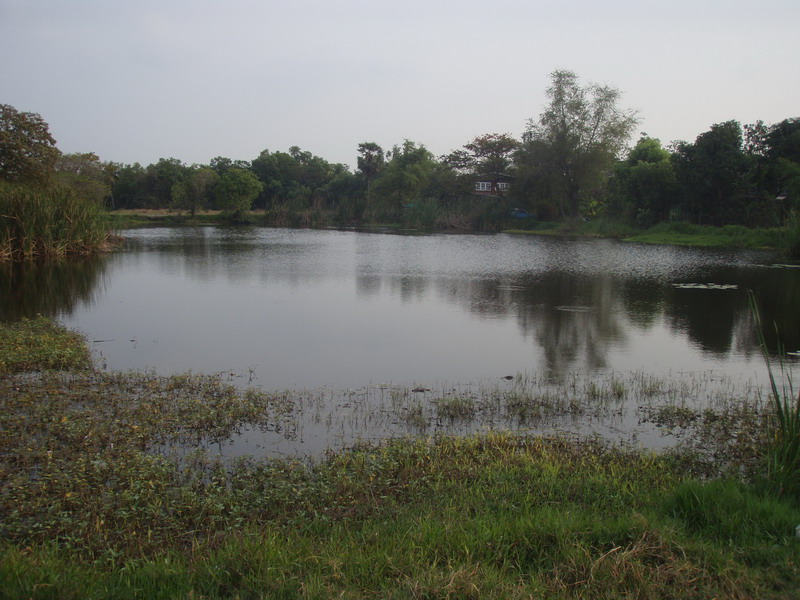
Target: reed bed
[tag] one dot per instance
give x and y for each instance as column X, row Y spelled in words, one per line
column 48, row 222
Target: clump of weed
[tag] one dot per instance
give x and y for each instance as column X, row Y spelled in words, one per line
column 41, row 344
column 455, row 407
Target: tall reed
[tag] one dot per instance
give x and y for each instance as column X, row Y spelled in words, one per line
column 783, row 468
column 47, row 222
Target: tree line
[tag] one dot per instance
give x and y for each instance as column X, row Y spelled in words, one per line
column 572, row 162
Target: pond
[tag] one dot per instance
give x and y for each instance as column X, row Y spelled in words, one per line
column 345, row 310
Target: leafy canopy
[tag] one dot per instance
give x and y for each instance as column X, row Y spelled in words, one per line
column 28, row 152
column 576, row 140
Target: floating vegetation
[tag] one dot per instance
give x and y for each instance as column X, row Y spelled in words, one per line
column 138, row 480
column 35, row 344
column 705, row 286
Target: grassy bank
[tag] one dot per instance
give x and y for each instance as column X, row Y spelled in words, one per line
column 128, row 219
column 680, row 233
column 100, row 499
column 677, row 234
column 735, row 236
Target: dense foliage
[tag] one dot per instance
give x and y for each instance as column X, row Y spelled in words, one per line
column 573, row 163
column 27, row 150
column 51, row 204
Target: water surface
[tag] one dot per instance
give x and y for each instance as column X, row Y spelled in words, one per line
column 304, row 308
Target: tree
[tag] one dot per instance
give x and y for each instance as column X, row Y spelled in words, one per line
column 644, row 185
column 159, row 179
column 194, row 191
column 488, row 154
column 370, row 162
column 86, row 174
column 713, row 174
column 222, row 164
column 128, row 190
column 405, row 178
column 27, row 150
column 783, row 153
column 236, row 191
column 298, row 178
column 575, row 141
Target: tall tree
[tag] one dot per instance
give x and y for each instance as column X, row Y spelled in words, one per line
column 644, row 187
column 159, row 179
column 405, row 179
column 713, row 174
column 370, row 161
column 28, row 152
column 86, row 174
column 488, row 154
column 783, row 153
column 194, row 191
column 223, row 164
column 576, row 140
column 236, row 191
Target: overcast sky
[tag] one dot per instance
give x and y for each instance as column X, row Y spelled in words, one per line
column 138, row 80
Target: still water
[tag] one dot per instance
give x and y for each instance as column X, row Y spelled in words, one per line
column 300, row 309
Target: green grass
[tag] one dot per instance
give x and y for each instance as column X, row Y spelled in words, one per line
column 40, row 344
column 49, row 222
column 95, row 504
column 687, row 234
column 677, row 234
column 129, row 219
column 482, row 517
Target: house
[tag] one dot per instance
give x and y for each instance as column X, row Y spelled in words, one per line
column 492, row 184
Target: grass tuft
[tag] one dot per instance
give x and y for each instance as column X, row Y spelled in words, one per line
column 41, row 344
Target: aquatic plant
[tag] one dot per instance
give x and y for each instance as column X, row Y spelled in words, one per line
column 48, row 222
column 113, row 487
column 783, row 454
column 41, row 344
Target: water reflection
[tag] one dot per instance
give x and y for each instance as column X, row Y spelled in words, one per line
column 311, row 308
column 30, row 288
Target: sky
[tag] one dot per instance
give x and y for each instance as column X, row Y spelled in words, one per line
column 136, row 81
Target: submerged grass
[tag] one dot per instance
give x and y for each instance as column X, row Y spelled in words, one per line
column 100, row 498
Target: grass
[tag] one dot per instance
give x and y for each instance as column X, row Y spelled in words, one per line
column 129, row 219
column 679, row 234
column 784, row 447
column 103, row 497
column 479, row 517
column 687, row 234
column 41, row 344
column 51, row 222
